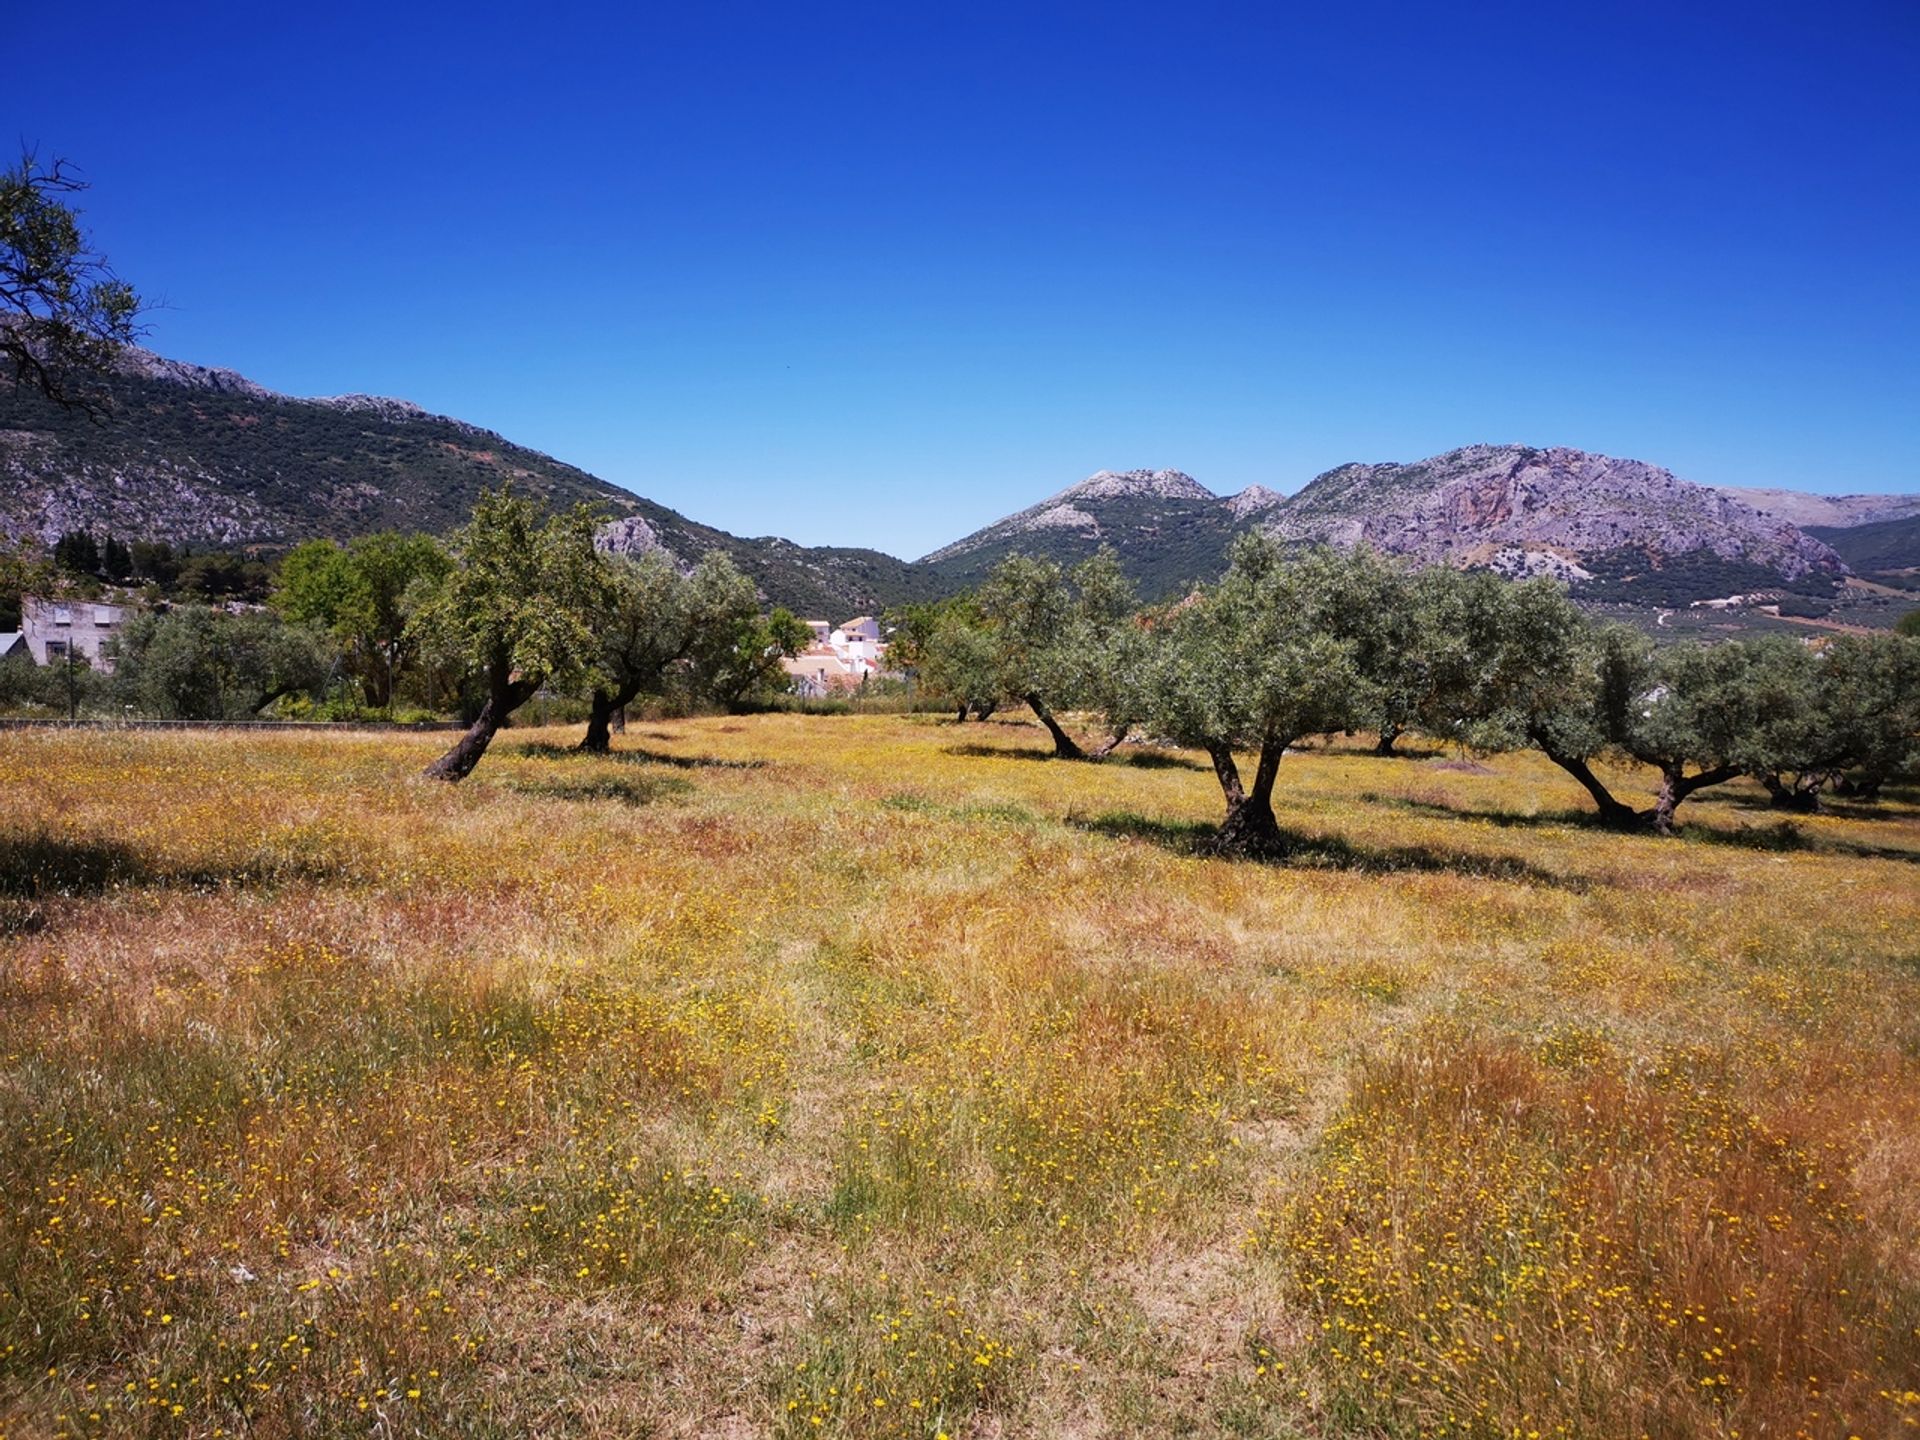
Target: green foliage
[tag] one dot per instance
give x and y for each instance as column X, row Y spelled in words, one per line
column 1908, row 625
column 24, row 570
column 959, row 660
column 363, row 594
column 77, row 553
column 197, row 663
column 1277, row 650
column 63, row 313
column 1059, row 640
column 735, row 653
column 1882, row 545
column 520, row 596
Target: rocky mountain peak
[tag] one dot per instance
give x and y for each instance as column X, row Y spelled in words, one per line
column 1254, row 500
column 1136, row 485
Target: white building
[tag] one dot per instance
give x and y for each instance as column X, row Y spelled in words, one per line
column 840, row 658
column 53, row 629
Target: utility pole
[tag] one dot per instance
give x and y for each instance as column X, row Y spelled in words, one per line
column 73, row 704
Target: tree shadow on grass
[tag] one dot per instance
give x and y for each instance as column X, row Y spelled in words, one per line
column 1135, row 759
column 542, row 751
column 1783, row 837
column 639, row 789
column 35, row 865
column 1328, row 852
column 1154, row 760
column 995, row 752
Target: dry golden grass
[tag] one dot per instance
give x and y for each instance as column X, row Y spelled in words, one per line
column 876, row 1076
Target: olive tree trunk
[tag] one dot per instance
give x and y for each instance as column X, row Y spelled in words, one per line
column 1249, row 830
column 1676, row 785
column 1064, row 747
column 504, row 696
column 604, row 718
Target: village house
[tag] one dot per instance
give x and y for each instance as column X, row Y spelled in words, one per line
column 841, row 657
column 55, row 629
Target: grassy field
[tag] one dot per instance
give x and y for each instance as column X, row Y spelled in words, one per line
column 876, row 1076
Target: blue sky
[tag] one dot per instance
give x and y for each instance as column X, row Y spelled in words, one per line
column 880, row 274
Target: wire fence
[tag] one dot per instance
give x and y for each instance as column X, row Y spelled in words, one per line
column 41, row 723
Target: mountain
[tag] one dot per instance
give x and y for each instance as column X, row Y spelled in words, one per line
column 1581, row 516
column 208, row 458
column 1167, row 528
column 1882, row 548
column 1826, row 512
column 1614, row 529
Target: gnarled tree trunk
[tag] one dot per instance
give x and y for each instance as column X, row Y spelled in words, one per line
column 1064, row 747
column 607, row 705
column 1612, row 811
column 1801, row 797
column 504, row 696
column 1676, row 785
column 1389, row 733
column 1249, row 829
column 1112, row 742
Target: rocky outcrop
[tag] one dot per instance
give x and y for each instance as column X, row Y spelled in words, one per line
column 1471, row 503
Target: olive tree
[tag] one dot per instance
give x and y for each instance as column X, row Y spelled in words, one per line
column 658, row 619
column 1854, row 724
column 958, row 659
column 515, row 608
column 197, row 663
column 1276, row 651
column 1061, row 642
column 735, row 654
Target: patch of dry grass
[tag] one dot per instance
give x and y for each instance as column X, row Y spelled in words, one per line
column 869, row 1076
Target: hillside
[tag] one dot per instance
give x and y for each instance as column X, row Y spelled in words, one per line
column 1619, row 531
column 1884, row 547
column 1826, row 512
column 206, row 457
column 1167, row 528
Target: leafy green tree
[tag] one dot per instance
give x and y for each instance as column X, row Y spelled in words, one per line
column 315, row 584
column 1908, row 625
column 24, row 570
column 959, row 661
column 196, row 663
column 64, row 314
column 1276, row 651
column 1853, row 724
column 1028, row 606
column 658, row 619
column 154, row 560
column 1062, row 641
column 360, row 594
column 1517, row 665
column 516, row 608
column 735, row 657
column 77, row 552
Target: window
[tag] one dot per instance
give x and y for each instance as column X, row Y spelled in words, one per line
column 56, row 649
column 63, row 615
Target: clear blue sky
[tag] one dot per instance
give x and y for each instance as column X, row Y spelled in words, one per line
column 880, row 274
